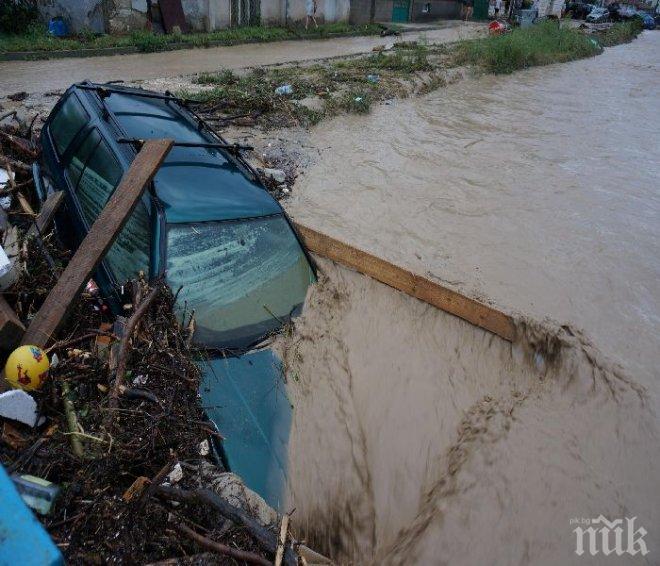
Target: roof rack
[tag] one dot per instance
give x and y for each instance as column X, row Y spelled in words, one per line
column 227, row 146
column 104, row 91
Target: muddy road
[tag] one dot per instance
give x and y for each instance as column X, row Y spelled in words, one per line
column 58, row 74
column 420, row 439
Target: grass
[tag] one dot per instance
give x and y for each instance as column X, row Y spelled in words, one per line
column 353, row 85
column 36, row 38
column 542, row 44
column 350, row 85
column 624, row 32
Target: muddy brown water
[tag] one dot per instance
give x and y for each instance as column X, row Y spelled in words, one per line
column 420, row 439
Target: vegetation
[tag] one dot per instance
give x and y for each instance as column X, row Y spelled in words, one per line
column 354, row 84
column 349, row 85
column 37, row 39
column 624, row 32
column 16, row 14
column 542, row 44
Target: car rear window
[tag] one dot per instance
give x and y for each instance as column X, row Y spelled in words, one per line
column 100, row 176
column 69, row 120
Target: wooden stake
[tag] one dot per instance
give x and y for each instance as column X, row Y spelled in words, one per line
column 410, row 283
column 281, row 541
column 97, row 242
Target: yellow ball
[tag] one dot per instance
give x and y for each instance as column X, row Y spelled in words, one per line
column 27, row 368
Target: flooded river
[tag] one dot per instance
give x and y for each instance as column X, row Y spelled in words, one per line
column 419, row 439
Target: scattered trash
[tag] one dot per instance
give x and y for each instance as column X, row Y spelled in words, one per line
column 276, row 175
column 204, row 448
column 17, row 405
column 18, row 96
column 5, row 264
column 38, row 494
column 176, row 475
column 358, row 99
column 5, row 182
column 284, row 89
column 27, row 368
column 140, row 380
column 373, row 78
column 498, row 28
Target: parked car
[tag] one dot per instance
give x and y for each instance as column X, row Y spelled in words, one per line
column 209, row 227
column 598, row 15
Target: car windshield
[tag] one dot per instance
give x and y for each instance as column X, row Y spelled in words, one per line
column 243, row 278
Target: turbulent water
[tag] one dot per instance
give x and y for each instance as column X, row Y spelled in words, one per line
column 420, row 439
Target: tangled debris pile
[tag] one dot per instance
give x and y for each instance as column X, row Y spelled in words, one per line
column 123, row 454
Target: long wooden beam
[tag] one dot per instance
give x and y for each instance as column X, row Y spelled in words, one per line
column 100, row 237
column 410, row 283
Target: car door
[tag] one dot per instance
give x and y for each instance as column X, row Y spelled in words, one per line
column 94, row 173
column 83, row 164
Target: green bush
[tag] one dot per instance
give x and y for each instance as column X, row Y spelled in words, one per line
column 17, row 15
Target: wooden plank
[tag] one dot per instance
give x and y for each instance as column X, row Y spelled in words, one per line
column 410, row 283
column 11, row 328
column 47, row 214
column 100, row 237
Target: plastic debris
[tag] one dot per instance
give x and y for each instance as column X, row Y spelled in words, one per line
column 5, row 264
column 373, row 78
column 204, row 448
column 176, row 475
column 38, row 494
column 140, row 380
column 5, row 201
column 276, row 175
column 284, row 89
column 17, row 405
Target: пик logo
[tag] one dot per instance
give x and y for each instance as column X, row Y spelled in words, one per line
column 634, row 539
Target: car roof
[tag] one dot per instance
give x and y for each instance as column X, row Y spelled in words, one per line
column 194, row 184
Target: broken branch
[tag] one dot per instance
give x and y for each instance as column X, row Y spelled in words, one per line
column 213, row 546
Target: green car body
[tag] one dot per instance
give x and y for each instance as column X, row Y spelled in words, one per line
column 207, row 224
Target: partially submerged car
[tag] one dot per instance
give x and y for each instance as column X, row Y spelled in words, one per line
column 209, row 226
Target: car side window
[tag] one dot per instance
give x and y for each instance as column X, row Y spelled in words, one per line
column 100, row 176
column 69, row 120
column 80, row 156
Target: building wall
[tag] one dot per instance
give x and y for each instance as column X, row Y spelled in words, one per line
column 79, row 16
column 125, row 16
column 360, row 11
column 448, row 9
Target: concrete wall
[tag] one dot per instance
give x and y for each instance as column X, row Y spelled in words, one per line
column 79, row 15
column 360, row 11
column 125, row 16
column 449, row 9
